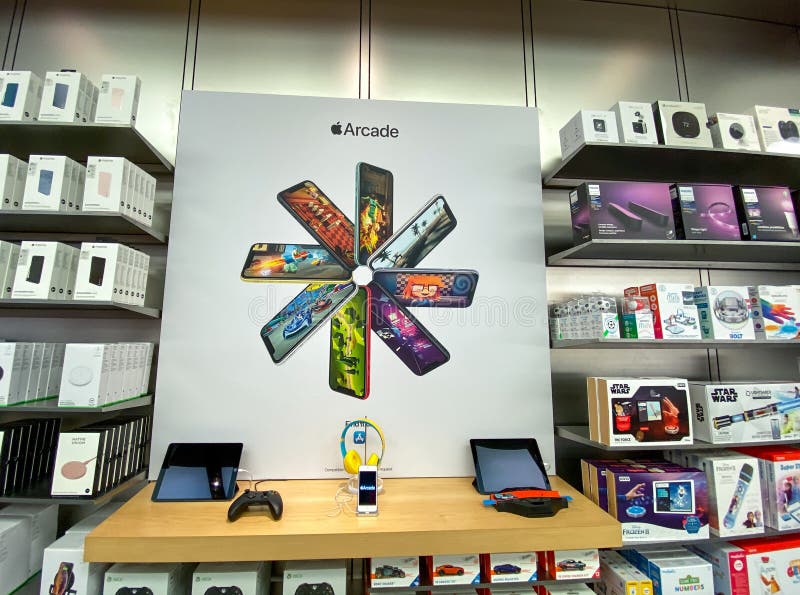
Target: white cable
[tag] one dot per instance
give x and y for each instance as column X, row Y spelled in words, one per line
column 342, row 499
column 242, row 470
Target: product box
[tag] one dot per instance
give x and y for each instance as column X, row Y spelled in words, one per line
column 63, row 564
column 42, row 523
column 76, row 463
column 12, row 373
column 766, row 213
column 309, row 577
column 15, row 536
column 39, row 273
column 88, row 524
column 464, row 569
column 65, row 97
column 86, row 376
column 224, row 578
column 774, row 310
column 599, row 480
column 778, row 129
column 654, row 411
column 118, row 99
column 734, row 131
column 675, row 314
column 394, row 572
column 704, row 212
column 682, row 124
column 20, row 95
column 571, row 589
column 621, row 210
column 101, row 272
column 510, row 567
column 725, row 312
column 620, row 577
column 13, row 173
column 9, row 258
column 635, row 122
column 734, row 494
column 158, row 579
column 667, row 506
column 637, row 317
column 687, row 574
column 571, row 564
column 47, row 185
column 107, row 184
column 588, row 126
column 745, row 412
column 780, row 477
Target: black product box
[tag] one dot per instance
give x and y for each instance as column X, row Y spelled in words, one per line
column 621, row 210
column 704, row 212
column 766, row 214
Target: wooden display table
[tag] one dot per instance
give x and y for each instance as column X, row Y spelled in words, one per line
column 417, row 517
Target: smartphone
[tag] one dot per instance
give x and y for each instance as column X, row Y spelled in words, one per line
column 374, row 209
column 422, row 233
column 348, row 369
column 97, row 270
column 10, row 94
column 367, row 490
column 411, row 342
column 302, row 317
column 432, row 288
column 322, row 219
column 305, row 263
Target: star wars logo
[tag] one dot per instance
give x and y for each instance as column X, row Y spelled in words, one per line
column 724, row 395
column 699, row 412
column 620, row 389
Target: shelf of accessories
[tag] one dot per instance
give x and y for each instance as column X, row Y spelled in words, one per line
column 77, row 226
column 40, row 493
column 79, row 140
column 76, row 308
column 768, row 532
column 669, row 343
column 580, row 435
column 494, row 587
column 437, row 515
column 660, row 163
column 50, row 406
column 681, row 254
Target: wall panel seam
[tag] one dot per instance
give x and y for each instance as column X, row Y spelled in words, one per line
column 533, row 54
column 19, row 32
column 683, row 56
column 10, row 29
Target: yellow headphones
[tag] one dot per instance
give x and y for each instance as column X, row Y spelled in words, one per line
column 352, row 460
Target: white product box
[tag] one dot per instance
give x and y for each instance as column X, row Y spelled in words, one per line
column 100, row 272
column 76, row 463
column 312, row 574
column 160, row 579
column 394, row 572
column 47, row 361
column 43, row 524
column 746, row 412
column 77, row 185
column 9, row 258
column 107, row 184
column 149, row 203
column 734, row 131
column 573, row 564
column 512, row 567
column 635, row 122
column 620, row 577
column 89, row 523
column 588, row 126
column 778, row 128
column 73, row 258
column 775, row 310
column 37, row 358
column 464, row 569
column 681, row 575
column 15, row 536
column 118, row 100
column 682, row 124
column 725, row 312
column 9, row 189
column 569, row 590
column 38, row 273
column 85, row 379
column 63, row 98
column 11, row 367
column 56, row 369
column 675, row 314
column 223, row 578
column 47, row 185
column 734, row 494
column 20, row 95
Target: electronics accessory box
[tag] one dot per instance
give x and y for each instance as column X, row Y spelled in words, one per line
column 637, row 317
column 778, row 128
column 315, row 577
column 63, row 565
column 774, row 310
column 766, row 213
column 78, row 460
column 9, row 257
column 43, row 525
column 682, row 124
column 588, row 126
column 20, row 95
column 635, row 122
column 734, row 131
column 725, row 312
column 49, row 183
column 394, row 572
column 13, row 173
column 704, row 212
column 67, row 96
column 223, row 578
column 15, row 538
column 159, row 578
column 118, row 99
column 510, row 567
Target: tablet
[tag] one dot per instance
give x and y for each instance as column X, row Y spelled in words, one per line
column 503, row 464
column 198, row 471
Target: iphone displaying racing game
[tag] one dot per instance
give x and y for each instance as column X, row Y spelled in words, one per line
column 374, row 207
column 323, row 220
column 302, row 263
column 430, row 288
column 417, row 238
column 348, row 372
column 404, row 334
column 302, row 317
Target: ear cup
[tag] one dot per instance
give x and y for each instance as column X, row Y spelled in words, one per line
column 352, row 461
column 373, row 460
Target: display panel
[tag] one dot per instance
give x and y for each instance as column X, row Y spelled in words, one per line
column 348, row 369
column 673, row 496
column 198, row 471
column 291, row 262
column 374, row 208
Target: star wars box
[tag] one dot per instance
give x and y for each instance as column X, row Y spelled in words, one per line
column 704, row 212
column 621, row 210
column 745, row 412
column 675, row 314
column 725, row 312
column 774, row 310
column 394, row 572
column 510, row 567
column 780, row 484
column 734, row 494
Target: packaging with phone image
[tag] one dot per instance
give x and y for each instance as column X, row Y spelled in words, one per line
column 100, row 273
column 20, row 95
column 48, row 183
column 38, row 271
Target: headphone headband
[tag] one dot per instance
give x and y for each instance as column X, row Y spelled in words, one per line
column 366, row 422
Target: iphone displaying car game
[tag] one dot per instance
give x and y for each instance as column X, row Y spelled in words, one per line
column 303, row 263
column 429, row 287
column 374, row 209
column 348, row 371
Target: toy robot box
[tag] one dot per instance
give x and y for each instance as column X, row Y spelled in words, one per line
column 725, row 312
column 745, row 412
column 675, row 314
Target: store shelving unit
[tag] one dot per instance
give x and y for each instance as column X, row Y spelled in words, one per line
column 77, row 226
column 601, row 343
column 76, row 308
column 768, row 532
column 50, row 406
column 500, row 587
column 39, row 493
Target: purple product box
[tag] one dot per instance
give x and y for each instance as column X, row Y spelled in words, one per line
column 704, row 212
column 766, row 213
column 621, row 210
column 668, row 506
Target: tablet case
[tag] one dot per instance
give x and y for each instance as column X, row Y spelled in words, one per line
column 10, row 95
column 511, row 444
column 60, row 95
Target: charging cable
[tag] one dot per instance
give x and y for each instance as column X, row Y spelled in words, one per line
column 250, row 478
column 342, row 500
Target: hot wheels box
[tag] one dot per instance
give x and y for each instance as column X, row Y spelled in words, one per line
column 572, row 564
column 745, row 412
column 464, row 569
column 394, row 572
column 510, row 568
column 675, row 314
column 725, row 312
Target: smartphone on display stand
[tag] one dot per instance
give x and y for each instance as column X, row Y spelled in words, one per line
column 302, row 263
column 404, row 335
column 348, row 370
column 302, row 317
column 322, row 219
column 367, row 491
column 429, row 288
column 374, row 209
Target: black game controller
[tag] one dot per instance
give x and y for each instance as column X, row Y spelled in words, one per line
column 223, row 591
column 134, row 591
column 314, row 589
column 250, row 498
column 788, row 130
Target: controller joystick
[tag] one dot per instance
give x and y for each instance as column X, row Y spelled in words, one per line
column 314, row 589
column 223, row 591
column 249, row 498
column 134, row 591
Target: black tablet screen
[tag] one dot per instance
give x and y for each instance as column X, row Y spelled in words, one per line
column 199, row 471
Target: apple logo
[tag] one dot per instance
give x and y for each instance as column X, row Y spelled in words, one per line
column 336, row 128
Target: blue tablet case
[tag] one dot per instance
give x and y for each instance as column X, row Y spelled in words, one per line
column 45, row 181
column 60, row 95
column 10, row 96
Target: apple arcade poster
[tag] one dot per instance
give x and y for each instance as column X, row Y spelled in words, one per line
column 331, row 259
